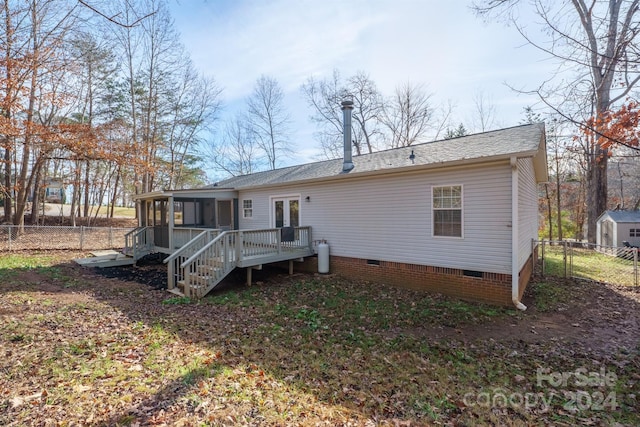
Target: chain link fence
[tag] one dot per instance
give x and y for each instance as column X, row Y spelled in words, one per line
column 31, row 237
column 609, row 264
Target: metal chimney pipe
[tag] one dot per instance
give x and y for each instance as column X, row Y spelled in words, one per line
column 347, row 106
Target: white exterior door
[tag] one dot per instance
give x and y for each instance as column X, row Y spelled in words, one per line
column 285, row 211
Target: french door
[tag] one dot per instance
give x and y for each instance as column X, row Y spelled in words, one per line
column 286, row 211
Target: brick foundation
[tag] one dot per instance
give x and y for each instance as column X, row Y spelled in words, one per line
column 491, row 288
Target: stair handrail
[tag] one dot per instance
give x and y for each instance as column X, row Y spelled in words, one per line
column 186, row 246
column 132, row 241
column 193, row 257
column 128, row 236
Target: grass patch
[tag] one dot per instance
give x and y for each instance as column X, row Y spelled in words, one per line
column 177, row 301
column 549, row 295
column 10, row 264
column 588, row 264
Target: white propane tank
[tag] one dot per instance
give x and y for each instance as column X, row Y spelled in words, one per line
column 323, row 257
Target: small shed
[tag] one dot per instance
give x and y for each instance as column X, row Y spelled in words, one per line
column 616, row 227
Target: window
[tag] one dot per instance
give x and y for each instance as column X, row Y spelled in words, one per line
column 634, row 232
column 447, row 211
column 177, row 213
column 186, row 212
column 247, row 208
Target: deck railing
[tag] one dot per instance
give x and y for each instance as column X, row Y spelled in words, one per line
column 187, row 249
column 265, row 242
column 138, row 242
column 207, row 266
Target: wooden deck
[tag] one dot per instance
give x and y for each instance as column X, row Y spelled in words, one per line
column 200, row 265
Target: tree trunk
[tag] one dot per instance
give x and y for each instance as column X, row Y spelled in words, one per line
column 546, row 189
column 6, row 111
column 35, row 213
column 85, row 212
column 596, row 191
column 115, row 192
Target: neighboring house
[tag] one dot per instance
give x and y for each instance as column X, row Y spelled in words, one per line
column 456, row 216
column 54, row 192
column 613, row 228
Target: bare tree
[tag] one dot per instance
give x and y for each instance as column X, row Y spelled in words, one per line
column 237, row 152
column 269, row 120
column 194, row 103
column 113, row 18
column 368, row 107
column 595, row 43
column 408, row 115
column 324, row 97
column 485, row 112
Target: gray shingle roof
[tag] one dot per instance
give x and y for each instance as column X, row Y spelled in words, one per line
column 623, row 216
column 502, row 143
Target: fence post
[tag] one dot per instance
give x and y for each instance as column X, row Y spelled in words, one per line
column 635, row 268
column 564, row 244
column 571, row 261
column 10, row 235
column 82, row 237
column 543, row 267
column 111, row 237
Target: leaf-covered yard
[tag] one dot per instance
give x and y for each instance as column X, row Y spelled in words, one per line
column 80, row 348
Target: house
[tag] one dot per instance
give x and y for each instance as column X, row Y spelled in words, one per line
column 456, row 216
column 613, row 228
column 54, row 192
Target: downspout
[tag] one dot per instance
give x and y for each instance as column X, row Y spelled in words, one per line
column 515, row 298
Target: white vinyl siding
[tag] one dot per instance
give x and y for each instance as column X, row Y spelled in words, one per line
column 527, row 209
column 389, row 218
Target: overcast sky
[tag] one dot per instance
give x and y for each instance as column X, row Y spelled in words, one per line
column 441, row 44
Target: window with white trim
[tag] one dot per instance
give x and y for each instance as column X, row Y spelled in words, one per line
column 634, row 232
column 247, row 208
column 447, row 211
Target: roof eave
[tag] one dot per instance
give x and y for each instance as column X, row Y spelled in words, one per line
column 401, row 169
column 186, row 191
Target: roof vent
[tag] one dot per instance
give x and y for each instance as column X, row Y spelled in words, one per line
column 347, row 106
column 412, row 157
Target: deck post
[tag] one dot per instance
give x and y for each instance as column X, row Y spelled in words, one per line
column 279, row 240
column 171, row 274
column 290, row 267
column 249, row 274
column 240, row 246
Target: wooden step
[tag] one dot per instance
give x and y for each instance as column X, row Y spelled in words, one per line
column 176, row 291
column 181, row 284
